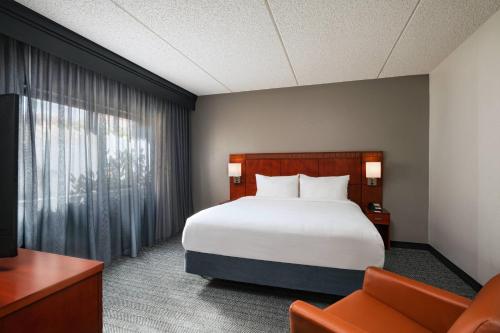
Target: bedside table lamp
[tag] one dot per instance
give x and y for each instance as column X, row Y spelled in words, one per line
column 373, row 171
column 234, row 170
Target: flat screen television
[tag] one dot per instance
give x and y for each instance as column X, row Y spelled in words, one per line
column 9, row 136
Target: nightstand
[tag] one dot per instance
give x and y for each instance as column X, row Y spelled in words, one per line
column 382, row 222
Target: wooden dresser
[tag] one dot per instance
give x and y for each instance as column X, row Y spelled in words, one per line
column 43, row 292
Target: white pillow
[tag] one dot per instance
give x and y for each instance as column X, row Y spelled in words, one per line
column 278, row 186
column 324, row 188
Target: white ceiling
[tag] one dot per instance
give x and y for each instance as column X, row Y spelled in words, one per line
column 219, row 46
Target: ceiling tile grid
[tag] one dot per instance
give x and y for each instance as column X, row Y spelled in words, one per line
column 219, row 46
column 332, row 41
column 436, row 29
column 107, row 25
column 233, row 40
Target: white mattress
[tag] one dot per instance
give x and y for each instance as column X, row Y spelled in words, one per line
column 330, row 234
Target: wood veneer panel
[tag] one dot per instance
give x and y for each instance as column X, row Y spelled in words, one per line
column 76, row 309
column 341, row 167
column 354, row 193
column 313, row 164
column 371, row 194
column 45, row 292
column 33, row 275
column 280, row 156
column 291, row 167
column 263, row 167
column 251, row 189
column 237, row 191
column 266, row 167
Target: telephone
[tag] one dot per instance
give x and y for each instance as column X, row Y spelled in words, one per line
column 375, row 207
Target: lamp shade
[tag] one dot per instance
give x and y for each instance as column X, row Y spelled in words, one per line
column 234, row 169
column 373, row 169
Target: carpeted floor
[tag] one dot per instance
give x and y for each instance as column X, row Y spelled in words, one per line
column 152, row 293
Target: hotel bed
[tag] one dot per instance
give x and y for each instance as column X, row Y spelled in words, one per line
column 290, row 230
column 316, row 236
column 313, row 245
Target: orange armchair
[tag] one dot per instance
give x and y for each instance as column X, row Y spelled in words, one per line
column 392, row 303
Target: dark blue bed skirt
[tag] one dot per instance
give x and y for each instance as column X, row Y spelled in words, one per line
column 333, row 281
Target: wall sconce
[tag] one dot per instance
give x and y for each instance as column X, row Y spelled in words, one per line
column 373, row 171
column 234, row 170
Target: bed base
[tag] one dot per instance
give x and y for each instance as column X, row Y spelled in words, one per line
column 333, row 281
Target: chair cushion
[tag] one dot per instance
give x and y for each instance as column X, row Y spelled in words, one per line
column 373, row 316
column 483, row 315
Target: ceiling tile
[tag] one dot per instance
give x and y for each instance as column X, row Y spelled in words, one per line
column 235, row 41
column 104, row 23
column 218, row 46
column 436, row 29
column 334, row 40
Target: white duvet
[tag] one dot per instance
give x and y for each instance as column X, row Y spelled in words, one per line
column 319, row 233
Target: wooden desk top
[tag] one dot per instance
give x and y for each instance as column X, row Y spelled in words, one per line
column 33, row 275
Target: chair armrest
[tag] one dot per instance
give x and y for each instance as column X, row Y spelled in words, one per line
column 306, row 318
column 431, row 307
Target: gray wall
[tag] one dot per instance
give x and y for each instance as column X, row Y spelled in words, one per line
column 391, row 115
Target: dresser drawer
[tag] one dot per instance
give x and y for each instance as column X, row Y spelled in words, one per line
column 379, row 218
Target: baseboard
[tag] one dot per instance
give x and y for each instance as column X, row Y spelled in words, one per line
column 457, row 270
column 476, row 286
column 410, row 245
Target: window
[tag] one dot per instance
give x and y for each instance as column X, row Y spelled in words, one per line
column 77, row 151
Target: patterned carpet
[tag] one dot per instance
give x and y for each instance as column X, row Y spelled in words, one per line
column 152, row 293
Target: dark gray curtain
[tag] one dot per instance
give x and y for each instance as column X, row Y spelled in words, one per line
column 104, row 168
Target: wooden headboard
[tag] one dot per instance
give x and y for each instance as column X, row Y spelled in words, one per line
column 311, row 164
